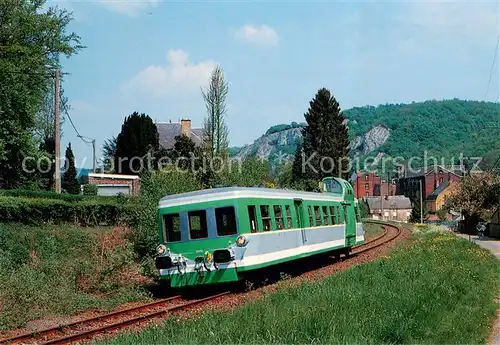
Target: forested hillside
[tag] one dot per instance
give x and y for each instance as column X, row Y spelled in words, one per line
column 442, row 128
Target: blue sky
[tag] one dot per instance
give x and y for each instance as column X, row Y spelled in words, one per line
column 153, row 56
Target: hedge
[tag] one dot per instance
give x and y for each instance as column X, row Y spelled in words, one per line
column 22, row 193
column 83, row 213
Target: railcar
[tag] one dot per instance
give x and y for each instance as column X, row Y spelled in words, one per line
column 220, row 235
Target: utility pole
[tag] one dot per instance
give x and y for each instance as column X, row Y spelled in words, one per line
column 57, row 131
column 381, row 198
column 421, row 204
column 93, row 155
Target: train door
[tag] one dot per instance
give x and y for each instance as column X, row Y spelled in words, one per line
column 350, row 224
column 299, row 211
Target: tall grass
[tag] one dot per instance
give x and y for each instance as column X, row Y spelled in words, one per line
column 439, row 289
column 59, row 270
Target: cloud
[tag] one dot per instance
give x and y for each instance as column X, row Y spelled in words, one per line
column 178, row 75
column 129, row 8
column 476, row 20
column 263, row 34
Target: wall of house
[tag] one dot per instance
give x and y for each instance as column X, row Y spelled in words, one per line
column 400, row 215
column 134, row 184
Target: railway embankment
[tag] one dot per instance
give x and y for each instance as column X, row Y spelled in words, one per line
column 436, row 289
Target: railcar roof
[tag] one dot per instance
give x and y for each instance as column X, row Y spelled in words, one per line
column 241, row 192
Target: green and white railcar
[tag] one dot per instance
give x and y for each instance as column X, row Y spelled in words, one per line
column 219, row 235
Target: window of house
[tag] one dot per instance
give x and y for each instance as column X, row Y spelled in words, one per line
column 367, row 186
column 325, row 215
column 172, row 227
column 266, row 220
column 289, row 222
column 367, row 194
column 197, row 224
column 333, row 215
column 278, row 217
column 225, row 219
column 366, row 177
column 252, row 217
column 311, row 219
column 317, row 214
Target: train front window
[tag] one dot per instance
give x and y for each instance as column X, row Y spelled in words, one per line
column 266, row 220
column 198, row 224
column 172, row 227
column 225, row 219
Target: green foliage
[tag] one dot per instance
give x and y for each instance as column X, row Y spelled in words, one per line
column 108, row 154
column 324, row 143
column 31, row 38
column 364, row 209
column 251, row 172
column 58, row 271
column 439, row 290
column 143, row 216
column 283, row 127
column 35, row 211
column 415, row 211
column 69, row 181
column 137, row 138
column 90, row 190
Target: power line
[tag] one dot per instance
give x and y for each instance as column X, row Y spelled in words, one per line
column 74, row 127
column 492, row 67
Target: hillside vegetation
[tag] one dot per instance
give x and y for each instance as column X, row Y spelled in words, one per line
column 442, row 128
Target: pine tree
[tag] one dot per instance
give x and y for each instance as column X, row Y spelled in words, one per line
column 415, row 211
column 138, row 137
column 325, row 141
column 70, row 183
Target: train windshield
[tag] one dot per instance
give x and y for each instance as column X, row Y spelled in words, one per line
column 332, row 186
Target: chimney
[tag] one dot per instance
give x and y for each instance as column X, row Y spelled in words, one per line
column 186, row 127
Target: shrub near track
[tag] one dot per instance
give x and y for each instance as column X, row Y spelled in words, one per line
column 438, row 289
column 54, row 271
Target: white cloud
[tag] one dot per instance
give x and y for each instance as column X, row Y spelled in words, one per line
column 477, row 20
column 256, row 34
column 178, row 75
column 129, row 7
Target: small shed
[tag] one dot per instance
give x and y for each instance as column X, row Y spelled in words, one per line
column 114, row 184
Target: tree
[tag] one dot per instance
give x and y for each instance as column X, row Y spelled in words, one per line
column 137, row 142
column 108, row 154
column 215, row 131
column 30, row 39
column 415, row 211
column 325, row 141
column 364, row 209
column 69, row 182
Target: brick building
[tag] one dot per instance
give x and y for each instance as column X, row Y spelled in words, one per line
column 111, row 184
column 431, row 178
column 369, row 184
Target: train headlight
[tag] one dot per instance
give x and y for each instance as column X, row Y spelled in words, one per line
column 161, row 249
column 241, row 241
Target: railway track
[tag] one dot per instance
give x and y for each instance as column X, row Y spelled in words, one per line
column 86, row 328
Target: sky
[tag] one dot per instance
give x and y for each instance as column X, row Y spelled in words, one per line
column 153, row 56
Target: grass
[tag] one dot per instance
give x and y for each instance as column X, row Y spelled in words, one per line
column 372, row 230
column 59, row 270
column 438, row 289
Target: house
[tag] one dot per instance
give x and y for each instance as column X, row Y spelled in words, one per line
column 111, row 184
column 437, row 199
column 369, row 184
column 396, row 207
column 430, row 178
column 167, row 131
column 494, row 225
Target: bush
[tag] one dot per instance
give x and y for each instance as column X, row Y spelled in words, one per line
column 57, row 271
column 89, row 190
column 37, row 211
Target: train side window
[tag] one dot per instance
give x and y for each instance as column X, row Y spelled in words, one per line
column 317, row 213
column 325, row 215
column 252, row 215
column 332, row 215
column 197, row 224
column 339, row 215
column 266, row 220
column 288, row 217
column 172, row 225
column 311, row 219
column 278, row 217
column 226, row 221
